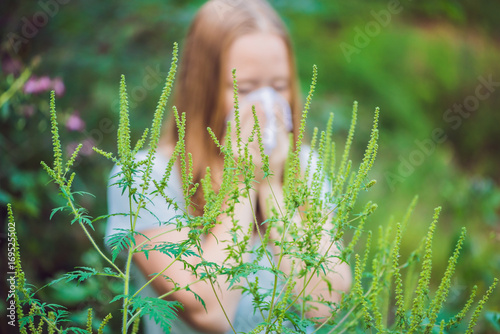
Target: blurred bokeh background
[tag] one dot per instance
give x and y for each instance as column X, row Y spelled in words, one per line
column 432, row 66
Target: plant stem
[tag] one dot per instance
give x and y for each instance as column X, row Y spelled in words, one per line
column 126, row 291
column 183, row 288
column 16, row 85
column 213, row 289
column 132, row 318
column 258, row 229
column 158, row 274
column 76, row 214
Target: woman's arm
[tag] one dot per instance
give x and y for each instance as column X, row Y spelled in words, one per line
column 213, row 319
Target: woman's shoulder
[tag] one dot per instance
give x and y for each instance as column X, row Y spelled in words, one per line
column 157, row 209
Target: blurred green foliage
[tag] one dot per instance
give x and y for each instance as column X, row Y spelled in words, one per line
column 417, row 60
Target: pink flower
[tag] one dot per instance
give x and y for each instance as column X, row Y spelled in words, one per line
column 44, row 84
column 30, row 87
column 58, row 86
column 36, row 85
column 74, row 122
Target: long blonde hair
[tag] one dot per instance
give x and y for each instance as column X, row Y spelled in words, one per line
column 200, row 86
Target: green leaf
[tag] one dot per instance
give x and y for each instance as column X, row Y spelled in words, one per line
column 109, row 215
column 120, row 241
column 117, row 297
column 161, row 311
column 80, row 275
column 197, row 297
column 82, row 193
column 61, row 208
column 85, row 220
column 170, row 249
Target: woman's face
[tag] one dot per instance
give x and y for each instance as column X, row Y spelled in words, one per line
column 260, row 59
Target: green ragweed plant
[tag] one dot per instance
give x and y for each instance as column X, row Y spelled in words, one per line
column 316, row 209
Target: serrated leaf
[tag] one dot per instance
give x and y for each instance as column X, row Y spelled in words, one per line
column 109, row 215
column 61, row 208
column 119, row 241
column 161, row 311
column 85, row 220
column 117, row 297
column 170, row 249
column 197, row 297
column 76, row 275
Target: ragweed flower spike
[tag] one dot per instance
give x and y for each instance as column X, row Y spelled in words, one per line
column 154, row 136
column 51, row 320
column 263, row 156
column 72, row 159
column 460, row 315
column 140, row 143
column 367, row 163
column 302, row 128
column 293, row 164
column 100, row 330
column 124, row 123
column 56, row 142
column 400, row 311
column 56, row 173
column 479, row 307
column 369, row 209
column 319, row 174
column 237, row 113
column 89, row 320
column 329, row 148
column 444, row 287
column 422, row 290
column 340, row 179
column 135, row 327
column 307, row 106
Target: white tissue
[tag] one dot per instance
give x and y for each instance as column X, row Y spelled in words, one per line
column 271, row 103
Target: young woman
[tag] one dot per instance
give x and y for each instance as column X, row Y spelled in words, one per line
column 250, row 37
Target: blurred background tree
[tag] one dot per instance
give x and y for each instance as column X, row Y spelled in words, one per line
column 432, row 66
